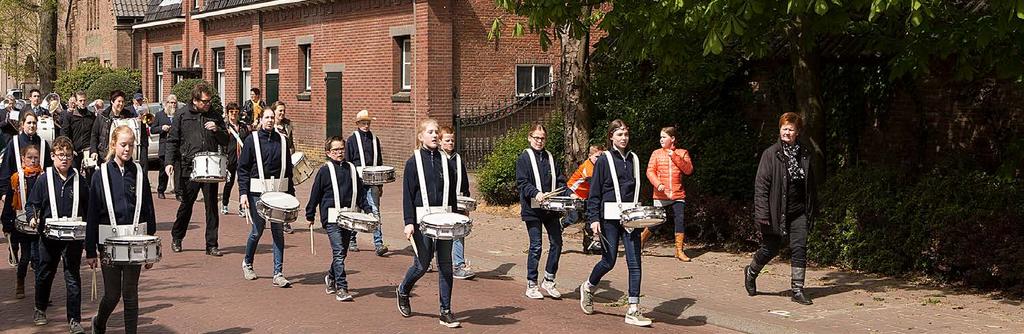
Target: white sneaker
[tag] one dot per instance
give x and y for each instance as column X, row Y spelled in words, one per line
column 635, row 318
column 330, row 285
column 247, row 271
column 549, row 286
column 532, row 292
column 281, row 282
column 586, row 298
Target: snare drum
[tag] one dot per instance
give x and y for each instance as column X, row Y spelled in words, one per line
column 131, row 249
column 278, row 207
column 466, row 204
column 302, row 169
column 23, row 225
column 209, row 167
column 643, row 216
column 562, row 204
column 446, row 226
column 378, row 175
column 358, row 222
column 65, row 229
column 46, row 128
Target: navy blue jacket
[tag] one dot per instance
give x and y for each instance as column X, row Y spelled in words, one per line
column 527, row 186
column 270, row 147
column 352, row 149
column 231, row 149
column 322, row 193
column 9, row 166
column 433, row 161
column 159, row 120
column 464, row 190
column 602, row 190
column 122, row 193
column 39, row 198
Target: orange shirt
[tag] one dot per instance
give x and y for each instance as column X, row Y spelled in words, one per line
column 579, row 182
column 667, row 170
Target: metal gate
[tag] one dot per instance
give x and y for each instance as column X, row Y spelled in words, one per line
column 478, row 127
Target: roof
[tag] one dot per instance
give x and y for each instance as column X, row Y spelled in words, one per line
column 212, row 5
column 162, row 9
column 129, row 8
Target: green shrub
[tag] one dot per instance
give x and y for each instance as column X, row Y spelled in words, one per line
column 183, row 90
column 80, row 78
column 498, row 173
column 957, row 226
column 125, row 80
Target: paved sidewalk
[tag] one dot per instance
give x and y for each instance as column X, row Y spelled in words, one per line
column 190, row 292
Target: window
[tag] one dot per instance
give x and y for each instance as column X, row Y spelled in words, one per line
column 176, row 63
column 406, row 64
column 195, row 59
column 272, row 60
column 218, row 65
column 533, row 79
column 307, row 66
column 195, row 4
column 158, row 76
column 245, row 72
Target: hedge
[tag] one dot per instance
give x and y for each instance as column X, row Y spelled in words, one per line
column 498, row 173
column 127, row 81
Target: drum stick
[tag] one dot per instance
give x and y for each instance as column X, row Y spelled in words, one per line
column 414, row 250
column 94, row 284
column 11, row 259
column 312, row 250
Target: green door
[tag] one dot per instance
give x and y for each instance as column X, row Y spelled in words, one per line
column 333, row 103
column 270, row 94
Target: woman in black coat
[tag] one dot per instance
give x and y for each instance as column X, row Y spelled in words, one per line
column 784, row 200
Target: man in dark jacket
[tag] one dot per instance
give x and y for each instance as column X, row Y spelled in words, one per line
column 194, row 130
column 252, row 106
column 784, row 204
column 100, row 137
column 78, row 123
column 162, row 126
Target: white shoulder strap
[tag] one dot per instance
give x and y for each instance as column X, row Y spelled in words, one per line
column 615, row 176
column 21, row 171
column 110, row 201
column 334, row 185
column 259, row 154
column 106, row 194
column 551, row 163
column 423, row 180
column 50, row 180
column 536, row 173
column 458, row 174
column 636, row 178
column 284, row 154
column 376, row 150
column 355, row 194
column 238, row 139
column 359, row 143
column 138, row 192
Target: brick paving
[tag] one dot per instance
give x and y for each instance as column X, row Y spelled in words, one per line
column 190, row 292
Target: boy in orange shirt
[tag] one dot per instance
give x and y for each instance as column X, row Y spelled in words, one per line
column 579, row 184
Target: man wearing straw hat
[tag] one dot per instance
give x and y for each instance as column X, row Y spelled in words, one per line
column 363, row 149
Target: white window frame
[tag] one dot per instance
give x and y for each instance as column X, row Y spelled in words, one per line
column 245, row 71
column 406, row 64
column 220, row 71
column 197, row 62
column 273, row 60
column 533, row 76
column 158, row 62
column 176, row 59
column 307, row 61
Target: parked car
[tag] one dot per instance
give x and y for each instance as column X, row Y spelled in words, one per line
column 154, row 141
column 17, row 93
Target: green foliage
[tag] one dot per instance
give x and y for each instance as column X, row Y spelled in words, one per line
column 960, row 226
column 83, row 76
column 129, row 81
column 183, row 90
column 498, row 173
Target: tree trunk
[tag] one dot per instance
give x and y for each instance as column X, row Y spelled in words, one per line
column 47, row 62
column 574, row 89
column 807, row 88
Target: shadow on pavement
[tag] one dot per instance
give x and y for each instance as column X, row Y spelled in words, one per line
column 670, row 312
column 384, row 291
column 500, row 273
column 494, row 316
column 233, row 330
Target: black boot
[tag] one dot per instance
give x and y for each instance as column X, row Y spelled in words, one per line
column 750, row 280
column 798, row 287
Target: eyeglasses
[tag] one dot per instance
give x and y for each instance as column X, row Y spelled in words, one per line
column 338, row 149
column 206, row 101
column 64, row 156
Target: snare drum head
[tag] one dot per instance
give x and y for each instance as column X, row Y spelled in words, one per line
column 465, row 199
column 359, row 216
column 297, row 157
column 378, row 169
column 279, row 200
column 65, row 224
column 445, row 218
column 133, row 238
column 208, row 154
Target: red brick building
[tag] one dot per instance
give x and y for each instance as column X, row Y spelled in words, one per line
column 99, row 31
column 403, row 60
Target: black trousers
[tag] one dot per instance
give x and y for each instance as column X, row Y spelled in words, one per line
column 162, row 185
column 51, row 252
column 119, row 281
column 771, row 244
column 189, row 192
column 230, row 183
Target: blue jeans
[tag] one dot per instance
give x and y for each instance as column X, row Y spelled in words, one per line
column 554, row 228
column 675, row 212
column 258, row 225
column 612, row 230
column 459, row 252
column 339, row 248
column 426, row 248
column 50, row 254
column 373, row 199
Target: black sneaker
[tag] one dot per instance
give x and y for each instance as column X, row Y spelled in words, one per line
column 381, row 250
column 403, row 304
column 213, row 251
column 288, row 228
column 176, row 246
column 352, row 247
column 40, row 318
column 447, row 319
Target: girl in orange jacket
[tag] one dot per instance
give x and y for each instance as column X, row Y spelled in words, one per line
column 665, row 170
